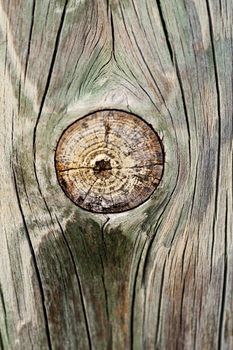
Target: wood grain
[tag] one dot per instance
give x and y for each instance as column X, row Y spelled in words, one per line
column 159, row 276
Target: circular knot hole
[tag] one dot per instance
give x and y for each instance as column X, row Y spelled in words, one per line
column 102, row 167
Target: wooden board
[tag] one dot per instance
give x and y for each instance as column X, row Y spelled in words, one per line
column 161, row 275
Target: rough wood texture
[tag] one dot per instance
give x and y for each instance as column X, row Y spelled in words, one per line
column 109, row 161
column 161, row 275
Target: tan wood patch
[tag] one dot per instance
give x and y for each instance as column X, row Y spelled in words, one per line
column 109, row 161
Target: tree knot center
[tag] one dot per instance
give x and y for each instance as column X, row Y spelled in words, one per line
column 101, row 167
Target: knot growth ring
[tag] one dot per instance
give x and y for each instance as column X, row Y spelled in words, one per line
column 109, row 161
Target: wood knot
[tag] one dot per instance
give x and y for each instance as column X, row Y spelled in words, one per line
column 102, row 168
column 109, row 161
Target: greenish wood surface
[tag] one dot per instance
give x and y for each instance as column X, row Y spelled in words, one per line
column 161, row 275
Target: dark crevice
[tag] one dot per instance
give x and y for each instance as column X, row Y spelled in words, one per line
column 194, row 188
column 4, row 312
column 25, row 188
column 107, row 6
column 181, row 305
column 57, row 41
column 133, row 299
column 165, row 30
column 160, row 304
column 1, row 342
column 219, row 131
column 110, row 167
column 183, row 256
column 113, row 36
column 109, row 346
column 30, row 37
column 106, row 305
column 185, row 108
column 19, row 97
column 79, row 284
column 224, row 283
column 39, row 280
column 6, row 56
column 103, row 232
column 54, row 55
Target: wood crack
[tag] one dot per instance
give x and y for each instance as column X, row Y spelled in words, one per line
column 185, row 108
column 224, row 282
column 1, row 341
column 33, row 255
column 57, row 41
column 4, row 312
column 133, row 296
column 163, row 22
column 30, row 38
column 54, row 55
column 109, row 346
column 113, row 35
column 160, row 304
column 219, row 132
column 85, row 314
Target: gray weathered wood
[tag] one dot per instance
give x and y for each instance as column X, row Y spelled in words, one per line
column 161, row 275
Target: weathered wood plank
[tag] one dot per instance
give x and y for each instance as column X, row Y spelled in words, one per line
column 159, row 276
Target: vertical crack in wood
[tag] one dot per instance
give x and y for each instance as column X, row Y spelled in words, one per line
column 85, row 314
column 113, row 35
column 185, row 107
column 158, row 324
column 57, row 41
column 224, row 283
column 39, row 280
column 112, row 29
column 4, row 313
column 219, row 132
column 110, row 337
column 30, row 38
column 174, row 61
column 1, row 342
column 163, row 22
column 133, row 298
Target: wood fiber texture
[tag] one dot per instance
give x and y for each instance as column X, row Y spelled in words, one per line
column 109, row 161
column 161, row 275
